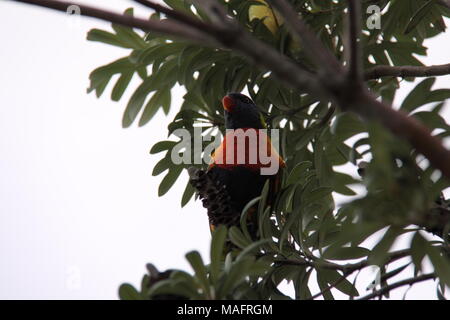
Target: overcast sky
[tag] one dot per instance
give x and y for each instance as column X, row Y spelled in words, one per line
column 79, row 212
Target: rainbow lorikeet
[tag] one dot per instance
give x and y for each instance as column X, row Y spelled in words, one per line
column 237, row 174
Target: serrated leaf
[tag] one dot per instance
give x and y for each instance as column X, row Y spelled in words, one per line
column 100, row 77
column 107, row 37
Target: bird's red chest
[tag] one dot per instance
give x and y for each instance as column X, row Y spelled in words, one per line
column 247, row 147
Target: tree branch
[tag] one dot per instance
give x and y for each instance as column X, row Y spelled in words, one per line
column 354, row 33
column 399, row 284
column 346, row 268
column 166, row 27
column 407, row 71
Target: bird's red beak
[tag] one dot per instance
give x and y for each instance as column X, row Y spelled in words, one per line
column 228, row 103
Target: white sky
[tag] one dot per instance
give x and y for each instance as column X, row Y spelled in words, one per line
column 79, row 212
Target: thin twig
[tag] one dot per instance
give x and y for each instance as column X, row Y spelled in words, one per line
column 406, row 282
column 407, row 71
column 346, row 268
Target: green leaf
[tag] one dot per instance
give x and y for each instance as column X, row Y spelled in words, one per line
column 380, row 252
column 305, row 138
column 347, row 125
column 179, row 287
column 199, row 268
column 244, row 217
column 127, row 35
column 162, row 146
column 438, row 95
column 419, row 15
column 417, row 96
column 395, row 272
column 439, row 294
column 441, row 264
column 297, row 171
column 161, row 98
column 302, row 291
column 187, row 194
column 291, row 219
column 238, row 238
column 217, row 250
column 136, row 101
column 169, row 180
column 323, row 167
column 128, row 292
column 431, row 119
column 418, row 250
column 323, row 285
column 107, row 37
column 318, row 194
column 252, row 247
column 236, row 275
column 345, row 253
column 100, row 77
column 162, row 166
column 121, row 85
column 333, row 277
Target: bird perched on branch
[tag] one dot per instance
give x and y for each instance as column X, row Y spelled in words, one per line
column 239, row 167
